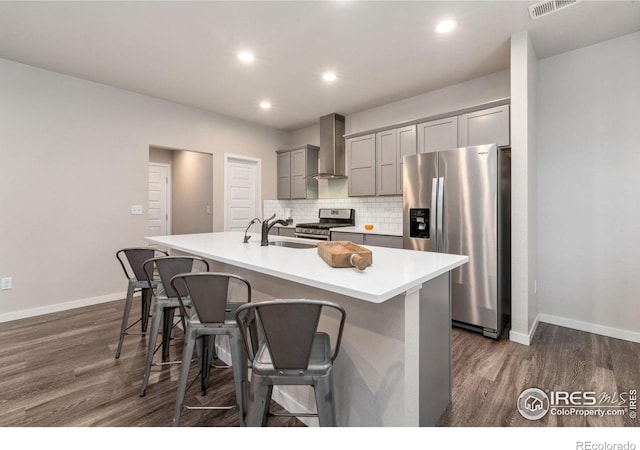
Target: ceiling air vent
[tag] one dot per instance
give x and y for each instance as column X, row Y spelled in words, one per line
column 545, row 8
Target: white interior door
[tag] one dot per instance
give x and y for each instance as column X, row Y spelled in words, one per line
column 242, row 191
column 159, row 206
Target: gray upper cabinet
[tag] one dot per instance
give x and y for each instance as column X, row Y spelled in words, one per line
column 374, row 160
column 284, row 175
column 361, row 163
column 386, row 162
column 294, row 167
column 406, row 145
column 487, row 126
column 437, row 135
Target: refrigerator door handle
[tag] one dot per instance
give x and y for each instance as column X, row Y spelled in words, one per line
column 434, row 212
column 440, row 215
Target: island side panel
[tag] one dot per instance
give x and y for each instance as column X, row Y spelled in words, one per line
column 435, row 348
column 369, row 371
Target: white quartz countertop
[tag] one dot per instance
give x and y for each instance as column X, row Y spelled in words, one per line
column 376, row 230
column 393, row 270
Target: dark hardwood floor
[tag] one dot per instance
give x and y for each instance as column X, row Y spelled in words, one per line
column 58, row 370
column 488, row 376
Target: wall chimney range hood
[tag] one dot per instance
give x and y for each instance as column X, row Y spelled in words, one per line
column 331, row 159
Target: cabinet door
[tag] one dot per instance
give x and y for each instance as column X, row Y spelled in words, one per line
column 487, row 126
column 284, row 175
column 298, row 172
column 405, row 145
column 438, row 135
column 288, row 232
column 386, row 162
column 361, row 160
column 356, row 238
column 380, row 240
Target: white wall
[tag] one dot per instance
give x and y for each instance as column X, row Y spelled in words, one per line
column 73, row 159
column 588, row 136
column 524, row 301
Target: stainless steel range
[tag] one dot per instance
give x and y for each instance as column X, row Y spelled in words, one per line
column 329, row 218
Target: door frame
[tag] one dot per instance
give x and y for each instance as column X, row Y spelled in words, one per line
column 169, row 194
column 257, row 162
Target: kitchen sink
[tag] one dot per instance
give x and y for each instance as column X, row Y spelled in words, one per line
column 292, row 244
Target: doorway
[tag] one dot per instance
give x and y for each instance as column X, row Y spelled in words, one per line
column 189, row 191
column 242, row 191
column 159, row 200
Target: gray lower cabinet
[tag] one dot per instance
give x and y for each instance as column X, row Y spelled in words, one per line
column 282, row 231
column 294, row 167
column 356, row 238
column 377, row 240
column 487, row 126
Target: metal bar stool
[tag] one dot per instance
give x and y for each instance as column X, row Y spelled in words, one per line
column 214, row 315
column 165, row 305
column 291, row 352
column 134, row 257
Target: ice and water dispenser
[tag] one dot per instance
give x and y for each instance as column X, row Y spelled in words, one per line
column 419, row 223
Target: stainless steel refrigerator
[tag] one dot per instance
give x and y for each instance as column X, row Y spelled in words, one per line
column 459, row 201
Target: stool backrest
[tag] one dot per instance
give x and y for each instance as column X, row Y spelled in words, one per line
column 209, row 293
column 170, row 266
column 288, row 328
column 135, row 258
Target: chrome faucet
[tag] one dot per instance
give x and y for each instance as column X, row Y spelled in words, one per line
column 266, row 227
column 246, row 238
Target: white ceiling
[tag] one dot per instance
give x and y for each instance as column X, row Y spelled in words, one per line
column 382, row 51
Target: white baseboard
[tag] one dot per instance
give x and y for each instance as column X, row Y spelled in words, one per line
column 16, row 315
column 617, row 333
column 525, row 339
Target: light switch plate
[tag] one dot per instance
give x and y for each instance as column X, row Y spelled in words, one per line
column 6, row 283
column 136, row 209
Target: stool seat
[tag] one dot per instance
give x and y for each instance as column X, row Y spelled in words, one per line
column 319, row 359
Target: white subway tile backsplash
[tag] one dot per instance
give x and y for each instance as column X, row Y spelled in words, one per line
column 384, row 212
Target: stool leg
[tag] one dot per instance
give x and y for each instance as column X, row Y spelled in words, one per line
column 259, row 392
column 125, row 317
column 239, row 366
column 153, row 337
column 167, row 328
column 146, row 307
column 207, row 356
column 187, row 352
column 324, row 400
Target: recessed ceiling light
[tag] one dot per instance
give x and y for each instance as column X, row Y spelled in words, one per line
column 265, row 105
column 329, row 76
column 445, row 26
column 245, row 56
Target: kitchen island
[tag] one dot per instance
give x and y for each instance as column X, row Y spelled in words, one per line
column 394, row 366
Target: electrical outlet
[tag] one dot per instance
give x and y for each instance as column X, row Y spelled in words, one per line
column 136, row 209
column 6, row 283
